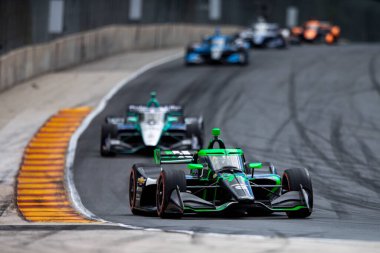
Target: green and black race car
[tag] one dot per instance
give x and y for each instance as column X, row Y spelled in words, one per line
column 219, row 180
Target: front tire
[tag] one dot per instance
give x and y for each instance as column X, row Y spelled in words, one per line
column 132, row 190
column 168, row 181
column 245, row 58
column 196, row 129
column 142, row 197
column 292, row 180
column 108, row 131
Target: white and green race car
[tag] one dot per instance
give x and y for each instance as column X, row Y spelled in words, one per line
column 150, row 126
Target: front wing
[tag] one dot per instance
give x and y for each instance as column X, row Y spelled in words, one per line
column 187, row 203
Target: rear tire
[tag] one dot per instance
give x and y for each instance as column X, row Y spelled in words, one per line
column 196, row 129
column 292, row 180
column 189, row 50
column 108, row 131
column 166, row 184
column 245, row 60
column 283, row 43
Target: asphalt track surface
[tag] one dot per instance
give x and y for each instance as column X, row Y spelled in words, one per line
column 309, row 106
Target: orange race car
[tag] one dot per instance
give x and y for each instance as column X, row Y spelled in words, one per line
column 316, row 31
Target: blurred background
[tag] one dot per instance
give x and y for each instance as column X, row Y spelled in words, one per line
column 25, row 22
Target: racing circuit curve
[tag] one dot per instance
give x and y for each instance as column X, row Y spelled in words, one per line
column 309, row 106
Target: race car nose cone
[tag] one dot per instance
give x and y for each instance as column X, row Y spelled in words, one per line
column 151, row 134
column 151, row 137
column 246, row 200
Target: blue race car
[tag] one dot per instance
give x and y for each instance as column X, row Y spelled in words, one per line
column 218, row 48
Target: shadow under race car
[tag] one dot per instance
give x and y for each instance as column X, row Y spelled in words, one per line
column 150, row 126
column 219, row 181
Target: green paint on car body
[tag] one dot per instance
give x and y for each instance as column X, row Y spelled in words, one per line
column 225, row 205
column 194, row 166
column 157, row 156
column 132, row 119
column 276, row 178
column 166, row 127
column 255, row 165
column 284, row 209
column 172, row 119
column 230, row 177
column 168, row 123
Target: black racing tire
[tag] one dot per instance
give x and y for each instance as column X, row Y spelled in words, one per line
column 108, row 130
column 189, row 64
column 279, row 41
column 188, row 51
column 132, row 190
column 284, row 45
column 107, row 119
column 139, row 170
column 251, row 44
column 320, row 39
column 292, row 180
column 245, row 60
column 196, row 129
column 166, row 184
column 295, row 41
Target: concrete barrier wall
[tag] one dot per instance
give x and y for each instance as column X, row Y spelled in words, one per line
column 21, row 64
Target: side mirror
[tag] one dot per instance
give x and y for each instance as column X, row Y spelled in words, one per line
column 255, row 165
column 195, row 166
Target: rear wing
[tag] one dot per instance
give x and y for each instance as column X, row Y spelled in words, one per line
column 173, row 156
column 174, row 110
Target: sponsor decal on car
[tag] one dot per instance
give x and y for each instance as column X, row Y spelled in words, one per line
column 141, row 181
column 239, row 186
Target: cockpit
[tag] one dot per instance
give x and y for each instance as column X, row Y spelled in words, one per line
column 221, row 162
column 152, row 117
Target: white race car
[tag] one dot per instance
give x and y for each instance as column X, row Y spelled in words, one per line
column 264, row 35
column 150, row 126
